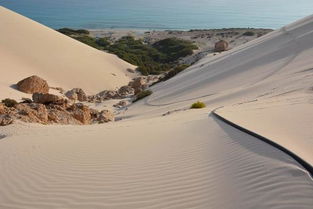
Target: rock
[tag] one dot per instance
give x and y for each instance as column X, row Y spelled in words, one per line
column 107, row 94
column 130, row 70
column 76, row 94
column 33, row 84
column 26, row 100
column 221, row 46
column 121, row 104
column 138, row 84
column 93, row 98
column 94, row 114
column 60, row 116
column 126, row 91
column 71, row 95
column 5, row 120
column 31, row 113
column 105, row 116
column 2, row 108
column 81, row 113
column 48, row 99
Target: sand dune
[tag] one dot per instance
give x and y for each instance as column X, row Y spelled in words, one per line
column 265, row 84
column 28, row 48
column 186, row 159
column 181, row 161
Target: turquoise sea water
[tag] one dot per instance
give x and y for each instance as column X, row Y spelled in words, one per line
column 162, row 14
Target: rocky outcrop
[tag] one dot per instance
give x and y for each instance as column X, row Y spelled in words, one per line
column 33, row 84
column 53, row 113
column 48, row 99
column 138, row 84
column 5, row 120
column 221, row 46
column 105, row 116
column 76, row 94
column 103, row 95
column 121, row 104
column 59, row 115
column 81, row 113
column 126, row 91
column 31, row 113
column 2, row 108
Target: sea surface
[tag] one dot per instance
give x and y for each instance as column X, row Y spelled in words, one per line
column 162, row 14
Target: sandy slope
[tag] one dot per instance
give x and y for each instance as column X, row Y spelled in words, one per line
column 28, row 48
column 186, row 159
column 180, row 161
column 270, row 76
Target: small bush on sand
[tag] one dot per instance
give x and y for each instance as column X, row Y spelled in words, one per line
column 248, row 33
column 142, row 95
column 9, row 102
column 198, row 105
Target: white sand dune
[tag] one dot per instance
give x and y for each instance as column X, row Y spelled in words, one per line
column 29, row 48
column 178, row 161
column 187, row 159
column 265, row 85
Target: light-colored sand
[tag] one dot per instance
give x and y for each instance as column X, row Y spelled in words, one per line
column 28, row 48
column 186, row 159
column 180, row 161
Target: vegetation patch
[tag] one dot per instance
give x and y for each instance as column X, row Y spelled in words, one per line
column 198, row 105
column 9, row 102
column 157, row 58
column 174, row 48
column 248, row 33
column 89, row 41
column 71, row 32
column 142, row 95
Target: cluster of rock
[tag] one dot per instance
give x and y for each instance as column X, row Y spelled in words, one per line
column 50, row 109
column 134, row 87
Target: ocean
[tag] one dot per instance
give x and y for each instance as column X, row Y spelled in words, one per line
column 162, row 14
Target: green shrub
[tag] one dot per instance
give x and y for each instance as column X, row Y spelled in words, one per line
column 70, row 32
column 174, row 49
column 142, row 95
column 198, row 105
column 248, row 33
column 150, row 59
column 89, row 41
column 140, row 54
column 9, row 102
column 103, row 42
